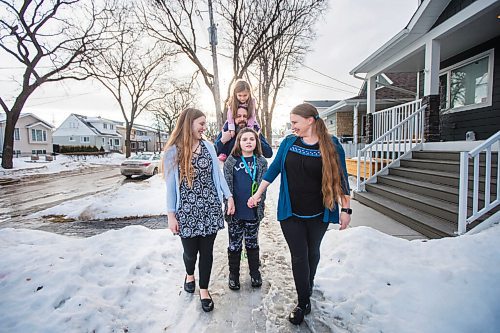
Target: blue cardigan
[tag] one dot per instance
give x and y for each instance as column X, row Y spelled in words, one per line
column 278, row 166
column 171, row 171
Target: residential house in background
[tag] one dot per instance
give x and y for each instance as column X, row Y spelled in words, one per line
column 392, row 89
column 436, row 167
column 32, row 135
column 78, row 130
column 144, row 138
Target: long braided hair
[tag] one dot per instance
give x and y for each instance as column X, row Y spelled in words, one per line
column 332, row 177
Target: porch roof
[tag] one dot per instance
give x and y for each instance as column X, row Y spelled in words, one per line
column 405, row 52
column 348, row 105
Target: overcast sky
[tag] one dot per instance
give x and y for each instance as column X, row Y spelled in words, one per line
column 349, row 32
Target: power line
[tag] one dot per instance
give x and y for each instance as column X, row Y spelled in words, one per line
column 322, row 85
column 314, row 70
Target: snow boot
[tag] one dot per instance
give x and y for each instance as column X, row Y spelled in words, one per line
column 234, row 258
column 253, row 265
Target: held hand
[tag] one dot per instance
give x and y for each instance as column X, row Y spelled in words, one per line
column 253, row 201
column 230, row 206
column 173, row 225
column 226, row 136
column 232, row 133
column 345, row 219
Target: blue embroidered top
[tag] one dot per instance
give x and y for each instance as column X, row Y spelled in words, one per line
column 278, row 166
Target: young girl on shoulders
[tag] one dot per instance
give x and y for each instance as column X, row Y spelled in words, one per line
column 243, row 171
column 241, row 96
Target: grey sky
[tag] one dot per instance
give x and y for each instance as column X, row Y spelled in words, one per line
column 349, row 32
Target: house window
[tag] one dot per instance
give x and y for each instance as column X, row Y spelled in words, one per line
column 85, row 139
column 117, row 142
column 103, row 141
column 71, row 138
column 105, row 126
column 38, row 152
column 17, row 135
column 111, row 126
column 38, row 135
column 467, row 85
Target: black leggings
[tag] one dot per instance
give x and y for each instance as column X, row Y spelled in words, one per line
column 304, row 239
column 204, row 246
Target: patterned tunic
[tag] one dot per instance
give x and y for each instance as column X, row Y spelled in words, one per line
column 200, row 212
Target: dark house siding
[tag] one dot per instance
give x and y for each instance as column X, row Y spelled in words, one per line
column 453, row 7
column 483, row 121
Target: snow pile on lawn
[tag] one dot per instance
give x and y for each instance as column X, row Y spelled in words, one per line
column 133, row 199
column 23, row 166
column 130, row 280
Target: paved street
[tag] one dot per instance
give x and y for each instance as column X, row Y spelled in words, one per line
column 33, row 194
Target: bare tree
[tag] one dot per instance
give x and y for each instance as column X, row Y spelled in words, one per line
column 173, row 22
column 49, row 45
column 133, row 69
column 257, row 25
column 179, row 97
column 274, row 65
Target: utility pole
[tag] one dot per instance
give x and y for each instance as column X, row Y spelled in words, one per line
column 212, row 32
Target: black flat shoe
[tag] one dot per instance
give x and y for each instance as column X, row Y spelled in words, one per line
column 189, row 286
column 296, row 317
column 207, row 304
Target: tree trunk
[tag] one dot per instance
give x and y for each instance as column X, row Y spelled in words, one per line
column 10, row 125
column 127, row 139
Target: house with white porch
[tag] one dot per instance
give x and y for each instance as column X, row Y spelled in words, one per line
column 78, row 130
column 144, row 138
column 435, row 168
column 32, row 135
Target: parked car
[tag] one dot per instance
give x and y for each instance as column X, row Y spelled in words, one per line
column 143, row 164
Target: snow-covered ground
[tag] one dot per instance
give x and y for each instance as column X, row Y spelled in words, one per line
column 23, row 166
column 130, row 280
column 144, row 198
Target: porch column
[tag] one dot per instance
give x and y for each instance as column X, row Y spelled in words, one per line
column 370, row 107
column 431, row 90
column 355, row 129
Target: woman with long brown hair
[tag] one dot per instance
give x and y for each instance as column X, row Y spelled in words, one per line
column 195, row 191
column 313, row 184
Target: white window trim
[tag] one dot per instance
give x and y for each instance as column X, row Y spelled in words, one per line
column 83, row 141
column 489, row 101
column 34, row 138
column 71, row 138
column 18, row 131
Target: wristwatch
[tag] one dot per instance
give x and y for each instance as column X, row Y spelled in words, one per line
column 346, row 210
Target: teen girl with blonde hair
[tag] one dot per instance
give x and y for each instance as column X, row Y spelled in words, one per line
column 195, row 191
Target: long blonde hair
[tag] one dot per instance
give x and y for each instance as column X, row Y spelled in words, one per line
column 332, row 175
column 239, row 86
column 182, row 138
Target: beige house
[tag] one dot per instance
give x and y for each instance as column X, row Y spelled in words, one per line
column 32, row 135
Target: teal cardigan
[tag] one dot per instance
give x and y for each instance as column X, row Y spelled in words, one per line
column 278, row 166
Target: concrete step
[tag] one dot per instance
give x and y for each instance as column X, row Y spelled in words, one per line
column 448, row 155
column 436, row 177
column 445, row 165
column 428, row 225
column 439, row 208
column 438, row 191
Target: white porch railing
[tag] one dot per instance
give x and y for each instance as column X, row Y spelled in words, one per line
column 390, row 147
column 386, row 119
column 474, row 155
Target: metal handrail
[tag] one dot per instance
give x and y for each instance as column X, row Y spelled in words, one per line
column 463, row 217
column 395, row 143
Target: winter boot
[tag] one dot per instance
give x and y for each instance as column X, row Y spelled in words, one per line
column 234, row 258
column 253, row 265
